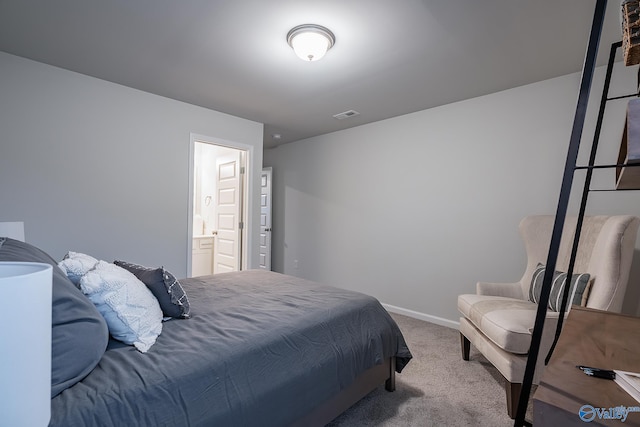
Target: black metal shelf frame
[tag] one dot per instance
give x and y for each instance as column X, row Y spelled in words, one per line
column 570, row 168
column 586, row 80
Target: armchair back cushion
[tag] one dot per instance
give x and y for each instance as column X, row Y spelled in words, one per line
column 605, row 253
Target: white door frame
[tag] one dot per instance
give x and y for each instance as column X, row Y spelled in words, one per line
column 247, row 195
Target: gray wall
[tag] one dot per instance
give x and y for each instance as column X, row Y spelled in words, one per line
column 416, row 209
column 96, row 167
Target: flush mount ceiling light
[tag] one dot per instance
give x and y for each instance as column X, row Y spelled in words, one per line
column 310, row 42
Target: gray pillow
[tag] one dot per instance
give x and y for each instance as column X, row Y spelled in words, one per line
column 164, row 286
column 577, row 295
column 78, row 331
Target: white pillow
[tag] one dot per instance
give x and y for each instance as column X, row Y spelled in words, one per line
column 76, row 264
column 132, row 313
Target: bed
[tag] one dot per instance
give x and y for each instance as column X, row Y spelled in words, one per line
column 259, row 349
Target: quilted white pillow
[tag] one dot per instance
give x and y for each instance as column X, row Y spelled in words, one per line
column 76, row 264
column 132, row 313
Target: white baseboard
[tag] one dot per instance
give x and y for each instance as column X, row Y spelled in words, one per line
column 422, row 316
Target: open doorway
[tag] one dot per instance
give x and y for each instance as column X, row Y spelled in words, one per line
column 218, row 214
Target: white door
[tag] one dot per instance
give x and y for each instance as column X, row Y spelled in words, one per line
column 265, row 219
column 228, row 226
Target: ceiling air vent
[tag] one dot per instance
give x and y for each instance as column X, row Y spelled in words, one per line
column 346, row 114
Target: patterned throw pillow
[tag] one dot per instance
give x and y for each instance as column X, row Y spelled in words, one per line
column 164, row 286
column 76, row 265
column 132, row 313
column 577, row 294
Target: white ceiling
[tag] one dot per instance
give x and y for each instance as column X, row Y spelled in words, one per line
column 391, row 57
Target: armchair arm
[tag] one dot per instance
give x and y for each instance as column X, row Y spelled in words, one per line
column 509, row 290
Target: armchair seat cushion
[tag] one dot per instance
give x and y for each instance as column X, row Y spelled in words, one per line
column 508, row 322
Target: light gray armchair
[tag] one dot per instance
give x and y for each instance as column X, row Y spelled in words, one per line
column 498, row 320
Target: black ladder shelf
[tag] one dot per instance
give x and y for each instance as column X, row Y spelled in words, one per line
column 596, row 138
column 567, row 181
column 587, row 182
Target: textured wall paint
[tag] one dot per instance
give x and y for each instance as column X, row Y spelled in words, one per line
column 96, row 167
column 416, row 209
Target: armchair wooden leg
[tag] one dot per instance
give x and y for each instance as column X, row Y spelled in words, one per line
column 465, row 345
column 513, row 397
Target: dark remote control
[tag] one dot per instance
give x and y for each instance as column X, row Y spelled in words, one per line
column 598, row 373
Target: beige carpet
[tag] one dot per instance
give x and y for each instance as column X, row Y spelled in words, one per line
column 437, row 388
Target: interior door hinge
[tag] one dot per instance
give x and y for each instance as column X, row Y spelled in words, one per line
column 242, row 170
column 241, row 225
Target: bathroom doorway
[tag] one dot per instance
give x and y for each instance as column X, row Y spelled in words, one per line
column 218, row 210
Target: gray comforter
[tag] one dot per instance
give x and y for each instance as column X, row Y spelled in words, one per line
column 261, row 349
